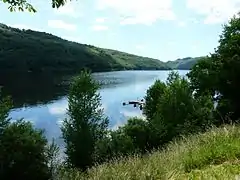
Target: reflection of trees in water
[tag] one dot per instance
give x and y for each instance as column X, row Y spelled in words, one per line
column 31, row 89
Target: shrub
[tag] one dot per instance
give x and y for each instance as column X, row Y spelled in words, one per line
column 172, row 110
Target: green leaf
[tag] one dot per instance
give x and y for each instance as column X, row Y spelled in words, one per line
column 20, row 8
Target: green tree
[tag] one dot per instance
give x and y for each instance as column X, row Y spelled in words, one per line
column 154, row 94
column 86, row 124
column 22, row 152
column 132, row 138
column 176, row 111
column 114, row 146
column 220, row 75
column 23, row 149
column 139, row 132
column 228, row 53
column 54, row 162
column 204, row 76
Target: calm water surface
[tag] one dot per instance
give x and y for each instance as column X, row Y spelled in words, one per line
column 42, row 100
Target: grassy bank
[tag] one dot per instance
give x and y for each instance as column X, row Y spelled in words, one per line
column 212, row 155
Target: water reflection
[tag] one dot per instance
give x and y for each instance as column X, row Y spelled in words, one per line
column 47, row 103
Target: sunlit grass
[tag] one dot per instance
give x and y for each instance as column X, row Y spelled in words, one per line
column 212, row 155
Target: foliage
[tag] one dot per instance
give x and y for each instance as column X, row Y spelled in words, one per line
column 203, row 77
column 5, row 105
column 132, row 138
column 219, row 73
column 22, row 5
column 54, row 162
column 139, row 132
column 86, row 124
column 42, row 52
column 175, row 108
column 114, row 146
column 154, row 93
column 172, row 110
column 211, row 155
column 22, row 152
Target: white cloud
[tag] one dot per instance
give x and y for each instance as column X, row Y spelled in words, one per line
column 69, row 9
column 194, row 20
column 23, row 26
column 182, row 24
column 59, row 24
column 99, row 28
column 58, row 109
column 100, row 20
column 215, row 11
column 139, row 11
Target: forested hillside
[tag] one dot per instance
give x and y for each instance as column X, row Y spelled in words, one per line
column 31, row 51
column 184, row 63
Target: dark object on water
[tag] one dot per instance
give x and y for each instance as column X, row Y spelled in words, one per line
column 135, row 103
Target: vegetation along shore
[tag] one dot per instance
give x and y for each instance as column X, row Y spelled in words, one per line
column 191, row 129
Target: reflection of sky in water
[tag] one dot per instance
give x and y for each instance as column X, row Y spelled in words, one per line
column 50, row 116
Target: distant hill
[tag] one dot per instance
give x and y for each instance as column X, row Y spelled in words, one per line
column 32, row 51
column 184, row 63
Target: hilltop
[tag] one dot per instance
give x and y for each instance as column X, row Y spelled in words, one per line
column 33, row 51
column 183, row 63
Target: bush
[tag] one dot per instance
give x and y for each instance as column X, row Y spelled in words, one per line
column 22, row 148
column 139, row 132
column 22, row 152
column 114, row 146
column 172, row 110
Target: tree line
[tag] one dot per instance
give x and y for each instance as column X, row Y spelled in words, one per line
column 208, row 96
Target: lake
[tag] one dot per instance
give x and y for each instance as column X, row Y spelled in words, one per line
column 42, row 99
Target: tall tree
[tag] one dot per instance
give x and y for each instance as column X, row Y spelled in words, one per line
column 219, row 73
column 86, row 124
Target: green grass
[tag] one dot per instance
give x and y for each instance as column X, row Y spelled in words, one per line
column 212, row 155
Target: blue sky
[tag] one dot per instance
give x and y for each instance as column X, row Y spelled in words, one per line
column 165, row 30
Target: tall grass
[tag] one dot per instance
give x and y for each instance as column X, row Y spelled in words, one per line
column 212, row 155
